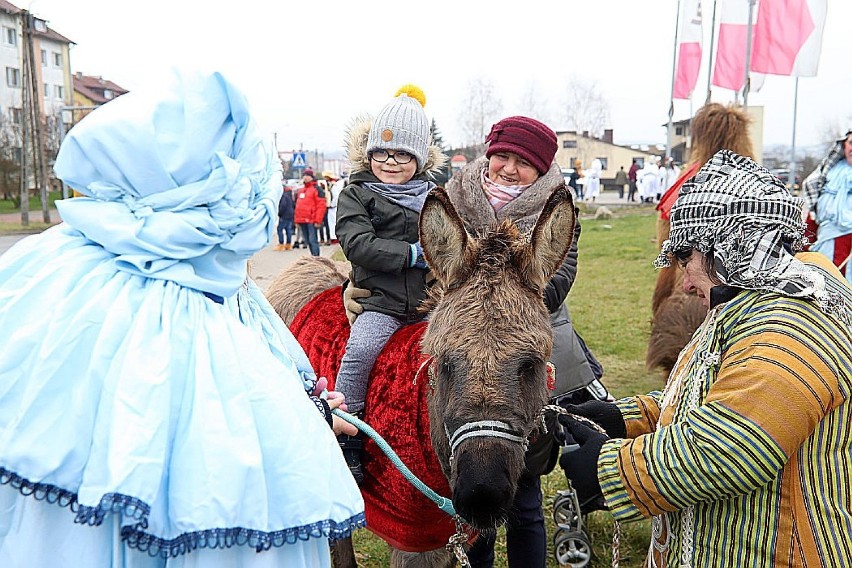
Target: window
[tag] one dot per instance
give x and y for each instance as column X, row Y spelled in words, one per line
column 39, row 25
column 57, row 59
column 10, row 36
column 603, row 163
column 108, row 94
column 679, row 129
column 46, row 91
column 58, row 90
column 13, row 77
column 44, row 58
column 17, row 115
column 569, row 143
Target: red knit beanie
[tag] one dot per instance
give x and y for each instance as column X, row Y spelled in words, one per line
column 526, row 137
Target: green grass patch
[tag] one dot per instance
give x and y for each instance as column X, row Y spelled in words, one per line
column 9, row 206
column 610, row 306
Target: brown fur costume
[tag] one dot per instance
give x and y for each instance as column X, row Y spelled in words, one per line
column 676, row 315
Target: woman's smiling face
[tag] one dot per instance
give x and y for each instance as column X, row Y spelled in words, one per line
column 508, row 168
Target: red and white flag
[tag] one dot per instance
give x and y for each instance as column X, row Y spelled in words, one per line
column 788, row 37
column 732, row 42
column 689, row 50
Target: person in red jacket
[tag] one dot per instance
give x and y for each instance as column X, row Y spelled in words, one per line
column 310, row 210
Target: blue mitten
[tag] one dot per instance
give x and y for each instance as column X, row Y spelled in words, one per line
column 417, row 260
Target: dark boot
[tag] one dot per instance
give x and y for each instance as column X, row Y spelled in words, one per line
column 353, row 451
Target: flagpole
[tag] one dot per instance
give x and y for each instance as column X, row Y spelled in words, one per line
column 792, row 177
column 671, row 96
column 746, row 85
column 710, row 53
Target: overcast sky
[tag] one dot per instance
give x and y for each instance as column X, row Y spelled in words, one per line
column 308, row 67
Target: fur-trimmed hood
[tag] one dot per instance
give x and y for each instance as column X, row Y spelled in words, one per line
column 356, row 149
column 468, row 197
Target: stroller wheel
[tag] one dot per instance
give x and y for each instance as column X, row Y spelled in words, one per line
column 572, row 548
column 566, row 511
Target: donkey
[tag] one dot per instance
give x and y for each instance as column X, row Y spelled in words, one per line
column 486, row 343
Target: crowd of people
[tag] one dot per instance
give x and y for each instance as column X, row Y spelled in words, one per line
column 200, row 435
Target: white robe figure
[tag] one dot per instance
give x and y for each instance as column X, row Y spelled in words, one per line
column 332, row 206
column 648, row 180
column 592, row 187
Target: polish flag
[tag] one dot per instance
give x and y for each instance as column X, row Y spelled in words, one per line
column 788, row 37
column 689, row 50
column 729, row 70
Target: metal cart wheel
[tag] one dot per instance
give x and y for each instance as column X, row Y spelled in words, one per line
column 566, row 511
column 572, row 548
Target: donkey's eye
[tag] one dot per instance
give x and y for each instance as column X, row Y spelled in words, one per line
column 528, row 369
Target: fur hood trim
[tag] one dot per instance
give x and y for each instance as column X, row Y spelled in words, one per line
column 356, row 149
column 471, row 203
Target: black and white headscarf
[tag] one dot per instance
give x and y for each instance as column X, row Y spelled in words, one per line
column 753, row 226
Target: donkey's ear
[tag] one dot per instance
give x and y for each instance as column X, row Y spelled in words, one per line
column 443, row 237
column 552, row 235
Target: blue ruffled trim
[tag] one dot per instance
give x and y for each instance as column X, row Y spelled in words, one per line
column 226, row 538
column 135, row 537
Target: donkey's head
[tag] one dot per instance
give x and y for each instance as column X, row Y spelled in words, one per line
column 490, row 336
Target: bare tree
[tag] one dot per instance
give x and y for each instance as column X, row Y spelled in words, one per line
column 831, row 129
column 10, row 147
column 480, row 109
column 585, row 108
column 534, row 105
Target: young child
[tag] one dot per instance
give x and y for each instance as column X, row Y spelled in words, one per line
column 377, row 224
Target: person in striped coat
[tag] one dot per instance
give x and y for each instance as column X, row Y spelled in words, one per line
column 745, row 458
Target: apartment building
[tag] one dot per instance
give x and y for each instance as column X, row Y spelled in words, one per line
column 54, row 82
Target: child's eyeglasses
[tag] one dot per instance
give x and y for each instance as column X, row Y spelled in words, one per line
column 383, row 156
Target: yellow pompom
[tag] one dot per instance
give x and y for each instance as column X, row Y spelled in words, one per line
column 414, row 92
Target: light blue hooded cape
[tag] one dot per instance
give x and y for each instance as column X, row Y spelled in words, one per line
column 148, row 391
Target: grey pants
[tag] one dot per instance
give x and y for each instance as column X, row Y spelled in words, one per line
column 368, row 336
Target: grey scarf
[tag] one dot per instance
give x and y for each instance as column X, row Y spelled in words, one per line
column 411, row 194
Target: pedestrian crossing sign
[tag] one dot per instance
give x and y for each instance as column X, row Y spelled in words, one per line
column 299, row 160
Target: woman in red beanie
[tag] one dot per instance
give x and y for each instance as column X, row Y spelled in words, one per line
column 513, row 181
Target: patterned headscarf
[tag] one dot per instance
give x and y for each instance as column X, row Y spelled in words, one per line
column 753, row 226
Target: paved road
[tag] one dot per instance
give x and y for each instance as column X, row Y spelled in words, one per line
column 6, row 241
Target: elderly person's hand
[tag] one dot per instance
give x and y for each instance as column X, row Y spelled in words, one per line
column 580, row 461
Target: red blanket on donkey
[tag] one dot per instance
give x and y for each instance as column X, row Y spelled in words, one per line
column 396, row 408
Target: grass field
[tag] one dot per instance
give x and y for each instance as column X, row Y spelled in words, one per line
column 610, row 306
column 7, row 206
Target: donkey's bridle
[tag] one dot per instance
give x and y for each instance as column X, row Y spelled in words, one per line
column 484, row 429
column 478, row 429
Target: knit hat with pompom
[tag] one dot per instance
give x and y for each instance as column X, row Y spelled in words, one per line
column 402, row 125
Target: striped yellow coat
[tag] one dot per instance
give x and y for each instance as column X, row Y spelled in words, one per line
column 746, row 459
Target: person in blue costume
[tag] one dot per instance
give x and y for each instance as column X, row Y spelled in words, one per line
column 154, row 410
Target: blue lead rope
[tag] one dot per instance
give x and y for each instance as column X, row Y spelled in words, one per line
column 443, row 503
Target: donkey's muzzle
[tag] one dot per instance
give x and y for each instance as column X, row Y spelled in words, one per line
column 483, row 491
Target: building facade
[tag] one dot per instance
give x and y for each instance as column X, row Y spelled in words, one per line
column 52, row 72
column 573, row 146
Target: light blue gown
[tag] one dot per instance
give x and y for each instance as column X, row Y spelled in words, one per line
column 152, row 405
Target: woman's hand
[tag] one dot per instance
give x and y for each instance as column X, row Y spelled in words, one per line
column 341, row 426
column 335, row 399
